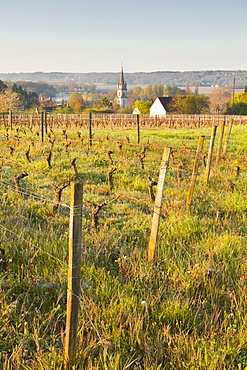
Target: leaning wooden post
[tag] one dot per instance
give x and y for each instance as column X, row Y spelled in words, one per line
column 210, row 153
column 10, row 120
column 138, row 128
column 228, row 134
column 74, row 270
column 194, row 172
column 90, row 128
column 158, row 203
column 222, row 128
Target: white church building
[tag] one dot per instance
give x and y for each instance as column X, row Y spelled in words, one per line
column 122, row 100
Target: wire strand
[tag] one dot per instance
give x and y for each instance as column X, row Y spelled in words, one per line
column 33, row 245
column 36, row 196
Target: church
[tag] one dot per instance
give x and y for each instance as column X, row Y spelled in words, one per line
column 122, row 100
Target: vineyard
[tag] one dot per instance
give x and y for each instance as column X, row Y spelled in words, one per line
column 185, row 309
column 117, row 121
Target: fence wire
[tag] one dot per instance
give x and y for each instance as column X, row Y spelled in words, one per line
column 33, row 245
column 24, row 191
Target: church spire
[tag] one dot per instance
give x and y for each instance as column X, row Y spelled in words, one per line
column 122, row 91
column 121, row 82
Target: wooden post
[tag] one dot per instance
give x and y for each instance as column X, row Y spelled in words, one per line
column 158, row 203
column 210, row 153
column 90, row 128
column 10, row 120
column 222, row 128
column 227, row 137
column 138, row 128
column 45, row 122
column 194, row 172
column 42, row 126
column 74, row 270
column 179, row 173
column 30, row 121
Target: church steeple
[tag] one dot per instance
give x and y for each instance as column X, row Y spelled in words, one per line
column 121, row 82
column 122, row 91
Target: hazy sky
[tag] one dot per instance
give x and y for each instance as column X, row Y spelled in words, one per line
column 144, row 35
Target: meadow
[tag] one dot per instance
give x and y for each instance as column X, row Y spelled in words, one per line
column 187, row 309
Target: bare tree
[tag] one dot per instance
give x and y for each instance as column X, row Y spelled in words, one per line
column 187, row 88
column 220, row 98
column 196, row 88
column 8, row 100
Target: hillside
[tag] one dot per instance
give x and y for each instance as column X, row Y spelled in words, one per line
column 202, row 78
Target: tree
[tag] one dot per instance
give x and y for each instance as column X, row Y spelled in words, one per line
column 196, row 89
column 134, row 95
column 151, row 91
column 240, row 98
column 105, row 103
column 137, row 90
column 32, row 100
column 190, row 104
column 3, row 86
column 158, row 90
column 196, row 104
column 238, row 109
column 187, row 88
column 76, row 101
column 176, row 105
column 111, row 95
column 144, row 107
column 8, row 100
column 220, row 99
column 148, row 91
column 27, row 100
column 173, row 91
column 239, row 105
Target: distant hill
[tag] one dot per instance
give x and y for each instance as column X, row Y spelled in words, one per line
column 202, row 78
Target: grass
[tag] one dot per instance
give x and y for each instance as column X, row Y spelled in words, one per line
column 186, row 310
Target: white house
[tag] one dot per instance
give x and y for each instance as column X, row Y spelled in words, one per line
column 136, row 111
column 160, row 106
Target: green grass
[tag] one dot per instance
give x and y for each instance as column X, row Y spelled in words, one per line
column 185, row 310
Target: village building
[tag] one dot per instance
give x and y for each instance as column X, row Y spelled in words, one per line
column 160, row 106
column 136, row 111
column 122, row 100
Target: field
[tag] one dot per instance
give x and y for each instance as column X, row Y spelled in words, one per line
column 187, row 309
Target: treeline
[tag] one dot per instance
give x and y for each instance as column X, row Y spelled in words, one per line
column 73, row 86
column 86, row 98
column 39, row 88
column 202, row 78
column 151, row 91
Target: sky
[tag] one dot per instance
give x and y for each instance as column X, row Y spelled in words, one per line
column 143, row 35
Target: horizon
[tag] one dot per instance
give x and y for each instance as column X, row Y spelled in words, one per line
column 127, row 72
